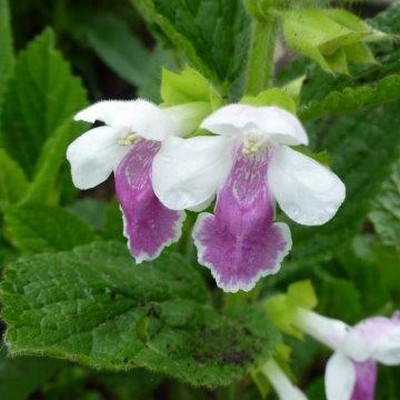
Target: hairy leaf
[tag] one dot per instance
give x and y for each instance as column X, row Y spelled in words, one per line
column 213, row 34
column 95, row 306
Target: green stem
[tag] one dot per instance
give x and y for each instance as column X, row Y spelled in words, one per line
column 261, row 55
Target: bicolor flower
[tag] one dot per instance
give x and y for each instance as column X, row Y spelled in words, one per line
column 352, row 370
column 283, row 387
column 249, row 165
column 126, row 145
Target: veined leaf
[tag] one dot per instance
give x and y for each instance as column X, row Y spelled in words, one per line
column 39, row 228
column 213, row 34
column 95, row 306
column 39, row 98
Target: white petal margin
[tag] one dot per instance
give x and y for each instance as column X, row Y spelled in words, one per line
column 340, row 377
column 276, row 124
column 281, row 383
column 94, row 155
column 328, row 331
column 308, row 192
column 138, row 116
column 188, row 172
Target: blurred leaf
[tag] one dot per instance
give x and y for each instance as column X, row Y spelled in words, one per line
column 92, row 211
column 39, row 228
column 94, row 306
column 38, row 99
column 6, row 46
column 119, row 48
column 213, row 34
column 13, row 183
column 21, row 376
column 113, row 225
column 385, row 213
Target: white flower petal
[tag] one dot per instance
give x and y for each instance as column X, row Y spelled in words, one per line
column 377, row 338
column 328, row 331
column 340, row 377
column 308, row 192
column 275, row 123
column 94, row 155
column 187, row 172
column 281, row 383
column 138, row 116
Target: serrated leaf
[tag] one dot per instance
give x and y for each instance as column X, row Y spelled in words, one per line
column 13, row 182
column 88, row 305
column 21, row 376
column 385, row 213
column 272, row 97
column 213, row 34
column 6, row 46
column 363, row 146
column 40, row 97
column 39, row 228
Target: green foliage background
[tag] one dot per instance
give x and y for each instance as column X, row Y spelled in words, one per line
column 82, row 321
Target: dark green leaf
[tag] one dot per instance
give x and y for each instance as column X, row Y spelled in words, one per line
column 38, row 99
column 95, row 306
column 213, row 34
column 13, row 183
column 21, row 376
column 39, row 228
column 6, row 46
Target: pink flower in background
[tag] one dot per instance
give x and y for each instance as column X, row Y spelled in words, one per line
column 352, row 369
column 249, row 166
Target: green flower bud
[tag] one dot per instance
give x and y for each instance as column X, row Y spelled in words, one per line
column 331, row 37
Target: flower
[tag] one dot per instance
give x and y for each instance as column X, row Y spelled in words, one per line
column 281, row 383
column 126, row 145
column 352, row 369
column 249, row 165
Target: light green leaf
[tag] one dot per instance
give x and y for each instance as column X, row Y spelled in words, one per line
column 213, row 34
column 385, row 213
column 13, row 183
column 39, row 228
column 21, row 376
column 6, row 46
column 272, row 97
column 93, row 305
column 188, row 86
column 38, row 99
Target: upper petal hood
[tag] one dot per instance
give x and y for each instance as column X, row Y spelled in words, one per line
column 94, row 155
column 187, row 172
column 274, row 123
column 308, row 192
column 139, row 116
column 377, row 338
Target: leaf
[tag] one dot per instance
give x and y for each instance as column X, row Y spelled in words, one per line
column 92, row 211
column 188, row 86
column 39, row 228
column 6, row 46
column 363, row 146
column 21, row 376
column 323, row 94
column 38, row 99
column 13, row 183
column 113, row 42
column 213, row 34
column 385, row 213
column 93, row 305
column 272, row 97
